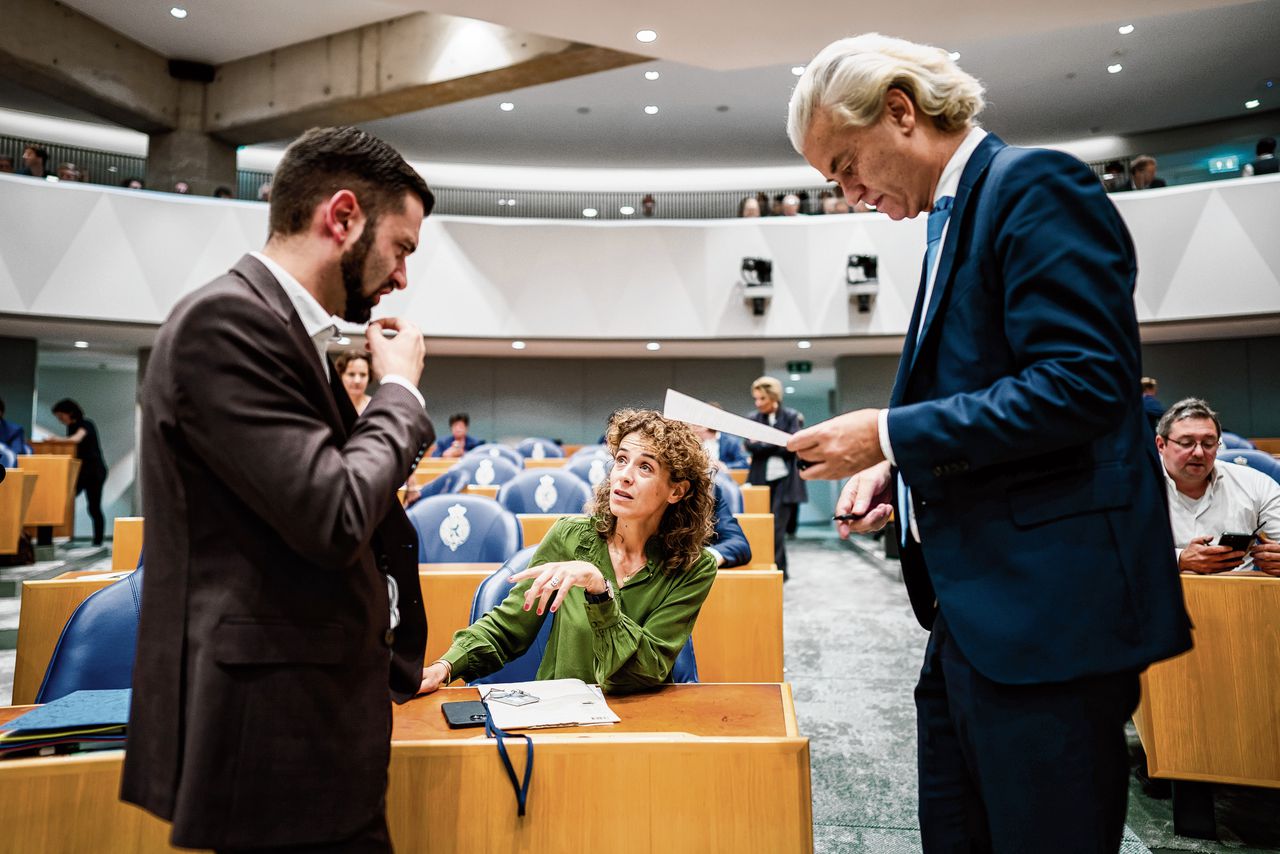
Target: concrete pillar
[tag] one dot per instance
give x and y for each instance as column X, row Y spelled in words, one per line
column 18, row 381
column 188, row 153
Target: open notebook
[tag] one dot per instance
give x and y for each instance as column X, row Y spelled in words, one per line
column 560, row 702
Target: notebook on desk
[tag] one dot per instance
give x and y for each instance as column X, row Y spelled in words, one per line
column 82, row 720
column 556, row 703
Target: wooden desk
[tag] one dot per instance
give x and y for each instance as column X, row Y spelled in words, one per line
column 1271, row 446
column 547, row 463
column 16, row 491
column 755, row 499
column 1211, row 713
column 430, row 468
column 126, row 542
column 46, row 607
column 489, row 491
column 447, row 591
column 738, row 636
column 691, row 768
column 61, row 447
column 739, row 475
column 758, row 528
column 53, row 502
column 535, row 525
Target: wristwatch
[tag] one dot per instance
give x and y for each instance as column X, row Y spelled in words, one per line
column 600, row 598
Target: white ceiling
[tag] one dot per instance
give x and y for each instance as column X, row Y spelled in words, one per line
column 1044, row 64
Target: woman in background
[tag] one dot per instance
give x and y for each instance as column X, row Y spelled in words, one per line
column 353, row 367
column 93, row 467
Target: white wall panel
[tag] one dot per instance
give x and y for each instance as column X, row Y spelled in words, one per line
column 88, row 251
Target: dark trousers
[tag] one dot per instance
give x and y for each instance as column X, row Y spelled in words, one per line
column 92, row 489
column 373, row 838
column 782, row 513
column 1017, row 768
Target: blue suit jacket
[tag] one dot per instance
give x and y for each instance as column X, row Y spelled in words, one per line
column 1017, row 422
column 728, row 537
column 732, row 454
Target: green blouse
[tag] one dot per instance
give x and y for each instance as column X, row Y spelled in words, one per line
column 628, row 643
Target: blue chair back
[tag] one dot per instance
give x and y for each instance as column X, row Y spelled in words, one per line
column 491, row 592
column 459, row 528
column 489, row 471
column 685, row 668
column 454, row 480
column 511, row 455
column 1254, row 459
column 591, row 469
column 545, row 491
column 8, row 459
column 591, row 451
column 96, row 649
column 538, row 448
column 728, row 487
column 1233, row 441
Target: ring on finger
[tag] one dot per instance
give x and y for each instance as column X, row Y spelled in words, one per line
column 554, row 582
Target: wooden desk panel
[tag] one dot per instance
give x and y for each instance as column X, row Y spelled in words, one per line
column 699, row 768
column 758, row 528
column 16, row 491
column 61, row 447
column 46, row 607
column 536, row 525
column 1271, row 446
column 755, row 499
column 1210, row 714
column 548, row 463
column 489, row 491
column 738, row 636
column 447, row 591
column 126, row 542
column 53, row 502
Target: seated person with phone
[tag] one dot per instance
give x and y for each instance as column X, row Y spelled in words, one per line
column 626, row 583
column 1224, row 516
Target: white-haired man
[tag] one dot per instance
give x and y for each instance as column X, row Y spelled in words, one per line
column 1036, row 543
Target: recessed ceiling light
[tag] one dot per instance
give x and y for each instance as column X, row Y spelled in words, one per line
column 81, row 345
column 651, row 75
column 955, row 55
column 502, row 201
column 506, row 106
column 511, row 203
column 797, row 70
column 518, row 345
column 646, row 36
column 1252, row 104
column 651, row 110
column 804, row 345
column 626, row 210
column 590, row 212
column 795, row 378
column 1126, row 29
column 178, row 12
column 1115, row 69
column 791, row 389
column 343, row 340
column 653, row 345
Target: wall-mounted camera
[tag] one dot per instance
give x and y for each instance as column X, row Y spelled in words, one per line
column 862, row 276
column 757, row 283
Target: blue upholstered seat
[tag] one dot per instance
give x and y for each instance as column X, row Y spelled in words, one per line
column 1254, row 459
column 591, row 468
column 731, row 490
column 489, row 471
column 545, row 491
column 591, row 451
column 1235, row 440
column 96, row 648
column 511, row 455
column 538, row 448
column 454, row 480
column 459, row 528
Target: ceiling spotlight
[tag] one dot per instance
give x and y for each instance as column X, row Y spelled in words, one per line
column 804, row 345
column 791, row 389
column 1115, row 69
column 518, row 345
column 797, row 70
column 511, row 203
column 1252, row 104
column 343, row 341
column 590, row 212
column 651, row 75
column 651, row 110
column 502, row 202
column 1126, row 29
column 81, row 345
column 955, row 55
column 653, row 345
column 626, row 210
column 795, row 378
column 646, row 36
column 506, row 106
column 178, row 12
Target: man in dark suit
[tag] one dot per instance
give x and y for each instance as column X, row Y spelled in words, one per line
column 1036, row 540
column 281, row 598
column 776, row 467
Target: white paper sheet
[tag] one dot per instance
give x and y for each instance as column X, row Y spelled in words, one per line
column 682, row 407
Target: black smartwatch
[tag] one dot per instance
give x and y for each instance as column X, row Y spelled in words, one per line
column 600, row 598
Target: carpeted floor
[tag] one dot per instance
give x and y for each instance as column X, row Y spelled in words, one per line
column 853, row 651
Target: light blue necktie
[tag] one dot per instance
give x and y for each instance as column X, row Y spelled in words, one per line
column 937, row 221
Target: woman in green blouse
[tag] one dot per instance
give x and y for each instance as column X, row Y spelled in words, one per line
column 627, row 583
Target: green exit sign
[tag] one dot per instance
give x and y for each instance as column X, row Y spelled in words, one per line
column 799, row 367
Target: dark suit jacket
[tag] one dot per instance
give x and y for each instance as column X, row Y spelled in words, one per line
column 260, row 691
column 1017, row 422
column 732, row 454
column 794, row 490
column 727, row 536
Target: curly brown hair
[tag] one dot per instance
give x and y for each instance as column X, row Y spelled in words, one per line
column 686, row 525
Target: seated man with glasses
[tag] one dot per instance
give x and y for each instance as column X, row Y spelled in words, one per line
column 1208, row 498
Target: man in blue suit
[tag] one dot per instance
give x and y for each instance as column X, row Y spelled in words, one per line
column 1031, row 500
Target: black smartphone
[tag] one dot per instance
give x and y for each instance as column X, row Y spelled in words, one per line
column 464, row 714
column 1238, row 542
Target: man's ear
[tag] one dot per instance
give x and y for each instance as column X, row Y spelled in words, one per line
column 899, row 110
column 342, row 217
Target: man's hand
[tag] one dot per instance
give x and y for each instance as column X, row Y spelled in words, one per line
column 866, row 496
column 839, row 447
column 1203, row 559
column 454, row 450
column 401, row 355
column 1266, row 555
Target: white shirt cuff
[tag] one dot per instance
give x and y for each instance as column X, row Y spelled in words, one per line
column 885, row 447
column 719, row 557
column 401, row 381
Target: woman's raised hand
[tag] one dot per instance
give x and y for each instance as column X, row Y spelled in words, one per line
column 553, row 581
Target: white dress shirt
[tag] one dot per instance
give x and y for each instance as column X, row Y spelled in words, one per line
column 948, row 185
column 1238, row 500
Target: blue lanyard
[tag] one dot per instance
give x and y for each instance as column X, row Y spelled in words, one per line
column 521, row 789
